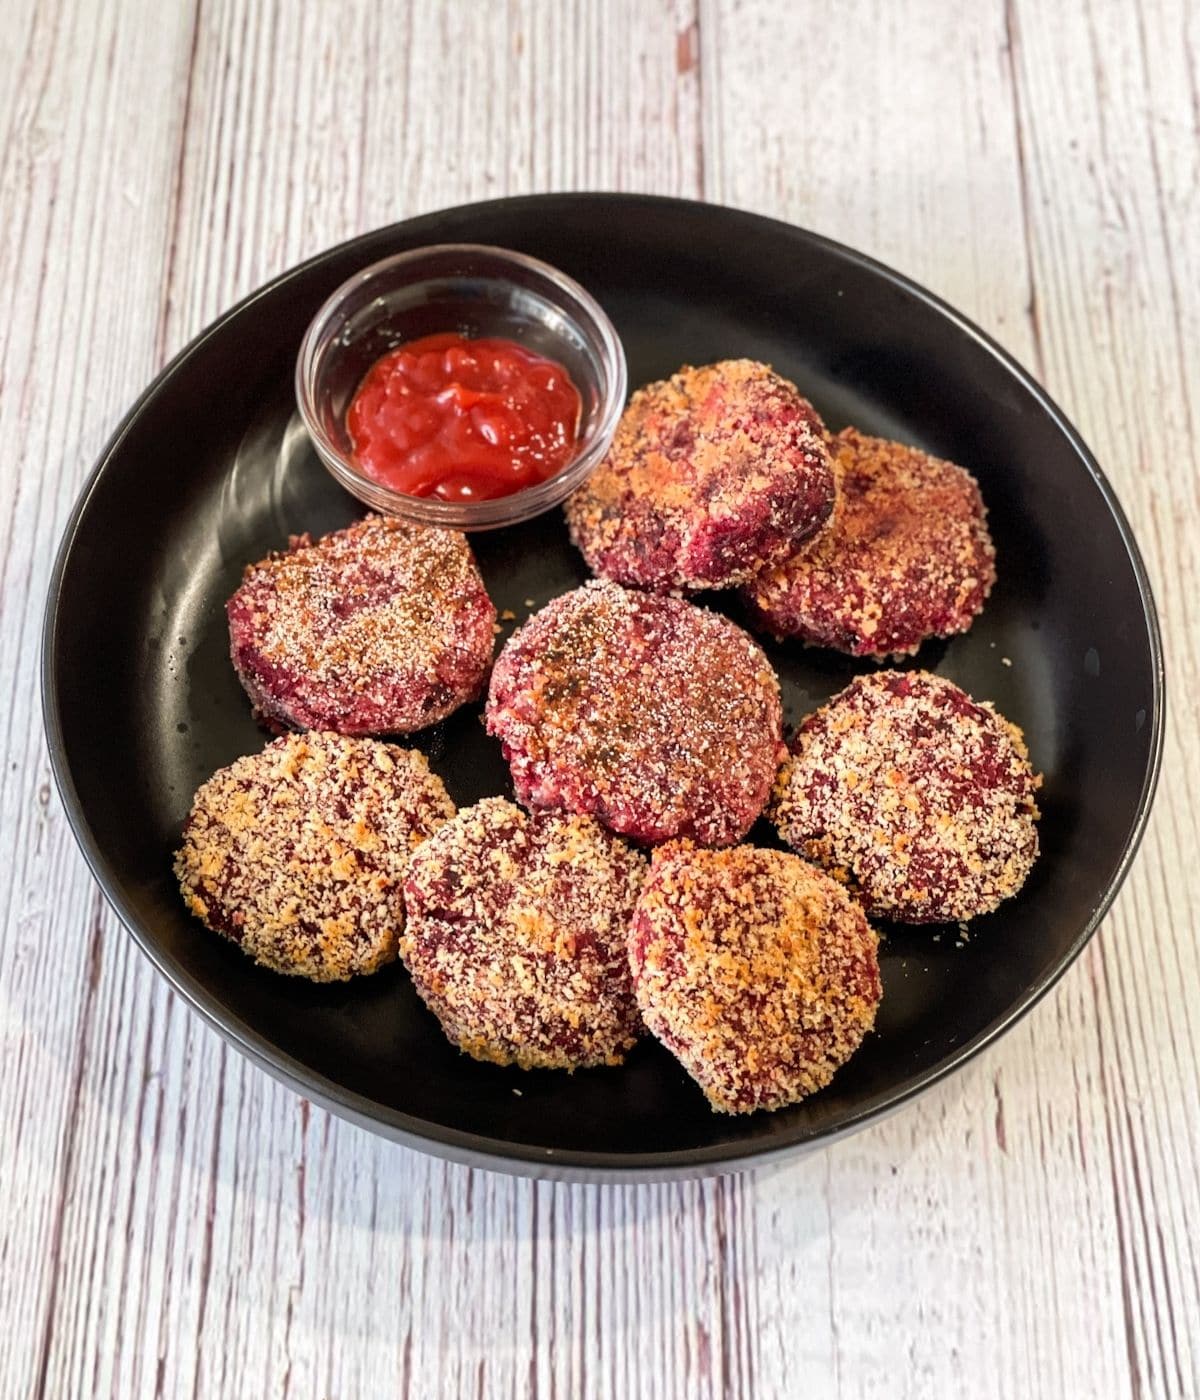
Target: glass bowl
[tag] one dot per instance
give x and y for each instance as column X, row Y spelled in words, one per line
column 476, row 291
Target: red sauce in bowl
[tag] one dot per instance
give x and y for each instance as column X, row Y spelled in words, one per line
column 463, row 420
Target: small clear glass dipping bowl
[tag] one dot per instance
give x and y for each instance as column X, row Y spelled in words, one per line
column 476, row 291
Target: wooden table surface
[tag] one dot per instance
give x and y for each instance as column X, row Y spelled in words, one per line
column 174, row 1223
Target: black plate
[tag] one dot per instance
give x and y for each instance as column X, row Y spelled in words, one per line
column 210, row 470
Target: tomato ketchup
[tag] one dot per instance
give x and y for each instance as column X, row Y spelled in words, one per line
column 463, row 420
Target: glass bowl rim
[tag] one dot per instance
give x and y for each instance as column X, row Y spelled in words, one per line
column 497, row 511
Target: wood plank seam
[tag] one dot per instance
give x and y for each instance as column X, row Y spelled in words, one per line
column 1012, row 35
column 176, row 195
column 74, row 1097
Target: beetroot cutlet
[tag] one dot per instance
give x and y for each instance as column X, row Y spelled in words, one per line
column 906, row 556
column 921, row 798
column 658, row 717
column 713, row 474
column 516, row 936
column 758, row 972
column 381, row 628
column 298, row 854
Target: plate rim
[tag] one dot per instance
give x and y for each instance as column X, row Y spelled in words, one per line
column 524, row 1159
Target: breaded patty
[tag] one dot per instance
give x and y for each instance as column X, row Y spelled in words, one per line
column 906, row 556
column 381, row 628
column 920, row 798
column 516, row 936
column 758, row 972
column 660, row 718
column 298, row 854
column 713, row 475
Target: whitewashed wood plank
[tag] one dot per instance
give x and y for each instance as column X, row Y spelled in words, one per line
column 1007, row 1207
column 299, row 150
column 1114, row 236
column 217, row 1235
column 216, row 1201
column 72, row 144
column 882, row 127
column 900, row 139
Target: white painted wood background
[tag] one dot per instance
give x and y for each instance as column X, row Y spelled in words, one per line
column 172, row 1222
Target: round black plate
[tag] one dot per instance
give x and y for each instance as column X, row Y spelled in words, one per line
column 210, row 470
